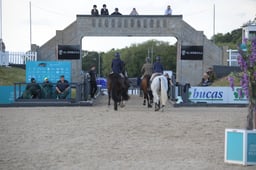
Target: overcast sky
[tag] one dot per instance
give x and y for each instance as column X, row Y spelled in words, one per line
column 51, row 15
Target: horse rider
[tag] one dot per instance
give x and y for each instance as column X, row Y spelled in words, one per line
column 118, row 67
column 147, row 70
column 158, row 68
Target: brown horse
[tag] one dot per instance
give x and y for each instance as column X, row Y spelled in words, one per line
column 146, row 91
column 117, row 90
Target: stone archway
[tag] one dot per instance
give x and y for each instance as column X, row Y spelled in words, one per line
column 85, row 25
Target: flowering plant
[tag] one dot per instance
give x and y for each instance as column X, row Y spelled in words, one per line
column 247, row 62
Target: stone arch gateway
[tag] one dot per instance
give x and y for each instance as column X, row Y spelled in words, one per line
column 143, row 25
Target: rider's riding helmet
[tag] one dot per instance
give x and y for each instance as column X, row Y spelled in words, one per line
column 117, row 55
column 157, row 58
column 147, row 59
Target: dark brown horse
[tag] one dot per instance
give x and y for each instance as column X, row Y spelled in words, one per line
column 117, row 90
column 147, row 93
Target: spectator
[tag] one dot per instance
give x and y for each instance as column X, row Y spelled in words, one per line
column 33, row 90
column 168, row 11
column 169, row 81
column 205, row 80
column 134, row 12
column 211, row 74
column 47, row 88
column 2, row 46
column 116, row 12
column 95, row 11
column 104, row 10
column 93, row 83
column 62, row 88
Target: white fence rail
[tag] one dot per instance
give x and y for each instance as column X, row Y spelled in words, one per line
column 232, row 57
column 7, row 58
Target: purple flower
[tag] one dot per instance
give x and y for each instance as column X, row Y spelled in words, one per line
column 231, row 82
column 242, row 62
column 240, row 93
column 245, row 84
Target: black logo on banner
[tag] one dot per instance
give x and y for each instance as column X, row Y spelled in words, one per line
column 191, row 52
column 68, row 52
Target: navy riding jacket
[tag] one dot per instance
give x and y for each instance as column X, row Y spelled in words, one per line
column 117, row 65
column 158, row 68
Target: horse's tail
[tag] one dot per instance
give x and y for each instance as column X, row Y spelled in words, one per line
column 164, row 89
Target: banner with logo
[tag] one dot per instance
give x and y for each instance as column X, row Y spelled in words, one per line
column 68, row 52
column 220, row 95
column 191, row 52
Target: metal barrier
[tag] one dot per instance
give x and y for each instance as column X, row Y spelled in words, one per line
column 181, row 90
column 74, row 96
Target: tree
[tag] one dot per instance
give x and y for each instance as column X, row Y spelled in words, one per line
column 134, row 56
column 231, row 39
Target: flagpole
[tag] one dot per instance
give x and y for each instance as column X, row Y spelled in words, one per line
column 30, row 24
column 213, row 21
column 1, row 38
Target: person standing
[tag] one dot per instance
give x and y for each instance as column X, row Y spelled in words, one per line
column 116, row 12
column 62, row 88
column 93, row 83
column 168, row 11
column 104, row 10
column 95, row 11
column 134, row 12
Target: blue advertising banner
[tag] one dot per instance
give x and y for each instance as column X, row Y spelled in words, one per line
column 50, row 69
column 235, row 146
column 7, row 94
column 251, row 147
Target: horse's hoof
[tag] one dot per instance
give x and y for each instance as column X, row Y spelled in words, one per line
column 144, row 104
column 122, row 105
column 149, row 106
column 157, row 109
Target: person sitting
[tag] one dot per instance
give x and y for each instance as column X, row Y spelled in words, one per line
column 118, row 67
column 104, row 10
column 205, row 80
column 62, row 88
column 211, row 74
column 47, row 89
column 168, row 11
column 33, row 90
column 95, row 11
column 158, row 68
column 147, row 70
column 116, row 12
column 134, row 12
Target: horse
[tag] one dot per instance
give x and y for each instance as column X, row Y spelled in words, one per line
column 116, row 90
column 147, row 93
column 159, row 89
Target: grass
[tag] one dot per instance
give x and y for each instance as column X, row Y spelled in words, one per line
column 11, row 75
column 224, row 81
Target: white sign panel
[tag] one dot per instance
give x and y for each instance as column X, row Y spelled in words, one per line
column 222, row 95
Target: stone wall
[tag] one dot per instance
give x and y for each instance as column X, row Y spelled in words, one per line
column 187, row 70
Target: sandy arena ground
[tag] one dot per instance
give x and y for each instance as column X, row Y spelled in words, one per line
column 135, row 137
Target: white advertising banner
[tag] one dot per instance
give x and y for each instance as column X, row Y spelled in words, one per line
column 222, row 95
